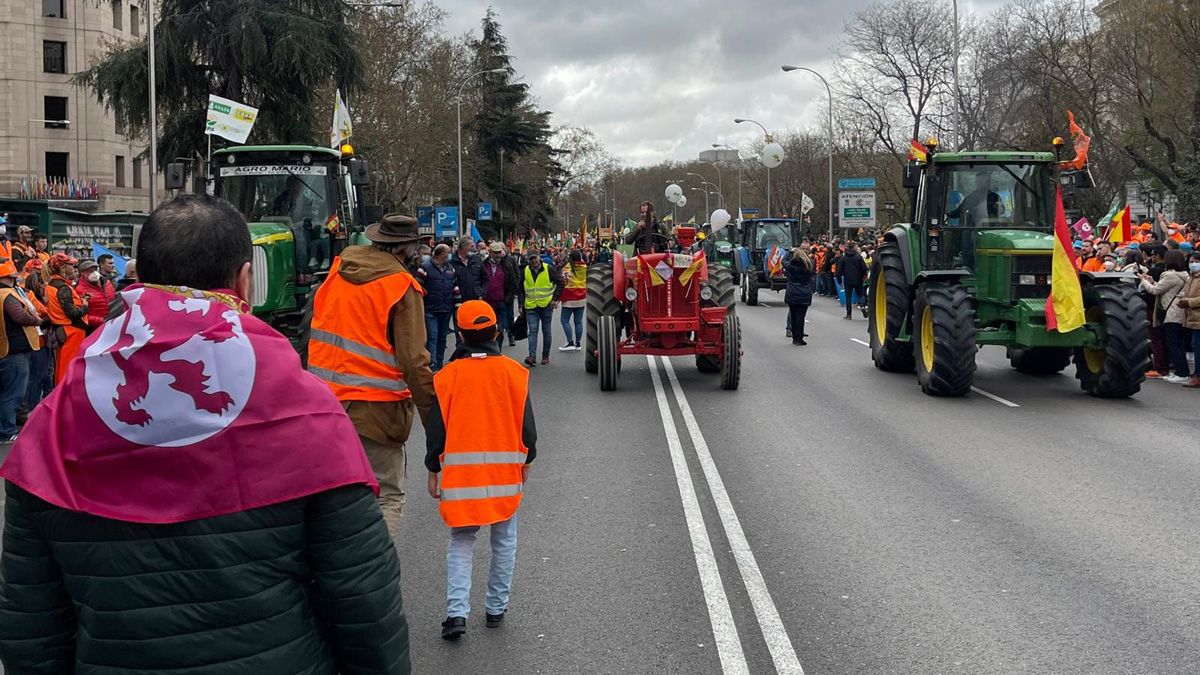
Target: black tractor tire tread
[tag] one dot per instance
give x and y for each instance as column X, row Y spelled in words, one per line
column 1127, row 347
column 954, row 338
column 731, row 360
column 1040, row 360
column 891, row 355
column 751, row 290
column 608, row 359
column 720, row 280
column 601, row 301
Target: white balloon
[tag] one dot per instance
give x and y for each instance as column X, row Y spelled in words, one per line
column 681, row 202
column 719, row 219
column 674, row 199
column 772, row 155
column 673, row 192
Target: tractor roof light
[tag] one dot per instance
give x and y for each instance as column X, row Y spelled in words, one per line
column 347, row 150
column 1058, row 141
column 630, row 293
column 306, row 158
column 932, row 142
column 230, row 159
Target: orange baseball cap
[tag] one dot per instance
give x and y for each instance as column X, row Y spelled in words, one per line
column 475, row 314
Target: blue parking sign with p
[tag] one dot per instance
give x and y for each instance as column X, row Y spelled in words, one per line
column 445, row 221
column 425, row 219
column 484, row 212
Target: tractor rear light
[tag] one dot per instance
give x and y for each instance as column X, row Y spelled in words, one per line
column 631, row 294
column 1043, row 280
column 706, row 293
column 1026, row 279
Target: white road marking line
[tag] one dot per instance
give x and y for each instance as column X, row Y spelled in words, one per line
column 861, row 342
column 729, row 646
column 997, row 399
column 769, row 622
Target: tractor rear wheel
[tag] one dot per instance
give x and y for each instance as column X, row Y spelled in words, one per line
column 608, row 358
column 720, row 282
column 1039, row 360
column 888, row 303
column 751, row 288
column 731, row 360
column 944, row 338
column 1117, row 369
column 601, row 301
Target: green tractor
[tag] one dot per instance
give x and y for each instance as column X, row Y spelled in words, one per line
column 973, row 269
column 302, row 203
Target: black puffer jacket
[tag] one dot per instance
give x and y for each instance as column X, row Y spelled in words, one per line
column 307, row 586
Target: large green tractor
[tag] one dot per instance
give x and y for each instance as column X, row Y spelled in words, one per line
column 973, row 269
column 302, row 203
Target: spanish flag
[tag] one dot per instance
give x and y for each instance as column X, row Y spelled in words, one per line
column 1064, row 307
column 917, row 152
column 1120, row 231
column 332, row 223
column 583, row 235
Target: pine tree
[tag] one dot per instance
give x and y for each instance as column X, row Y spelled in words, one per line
column 275, row 55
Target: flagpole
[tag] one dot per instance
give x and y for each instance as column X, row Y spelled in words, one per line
column 153, row 107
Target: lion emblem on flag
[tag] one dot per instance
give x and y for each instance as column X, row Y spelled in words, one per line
column 171, row 371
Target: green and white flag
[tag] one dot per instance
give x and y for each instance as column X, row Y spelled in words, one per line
column 229, row 119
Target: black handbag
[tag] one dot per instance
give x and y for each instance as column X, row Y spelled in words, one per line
column 519, row 329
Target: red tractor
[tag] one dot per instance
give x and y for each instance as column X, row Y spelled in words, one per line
column 664, row 304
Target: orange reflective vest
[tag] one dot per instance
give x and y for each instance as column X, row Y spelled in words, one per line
column 31, row 332
column 483, row 409
column 58, row 316
column 348, row 344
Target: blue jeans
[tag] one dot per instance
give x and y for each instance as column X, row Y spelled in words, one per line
column 437, row 329
column 41, row 377
column 536, row 316
column 503, row 320
column 570, row 315
column 458, row 568
column 14, row 381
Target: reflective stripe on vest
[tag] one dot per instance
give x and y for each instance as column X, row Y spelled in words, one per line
column 539, row 292
column 348, row 342
column 482, row 473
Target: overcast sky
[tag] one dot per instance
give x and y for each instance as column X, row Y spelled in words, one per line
column 658, row 81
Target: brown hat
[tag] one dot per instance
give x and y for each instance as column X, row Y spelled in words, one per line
column 394, row 228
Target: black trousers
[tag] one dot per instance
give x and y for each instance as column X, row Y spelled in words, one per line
column 796, row 314
column 850, row 291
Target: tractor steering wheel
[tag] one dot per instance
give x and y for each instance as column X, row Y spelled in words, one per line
column 662, row 246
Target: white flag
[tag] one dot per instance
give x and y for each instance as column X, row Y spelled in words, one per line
column 229, row 119
column 806, row 204
column 740, row 216
column 342, row 128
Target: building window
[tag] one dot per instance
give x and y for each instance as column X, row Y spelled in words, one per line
column 55, row 109
column 118, row 19
column 135, row 21
column 54, row 56
column 137, row 172
column 120, row 171
column 57, row 164
column 53, row 8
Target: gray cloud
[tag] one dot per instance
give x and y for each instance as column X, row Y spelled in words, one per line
column 658, row 81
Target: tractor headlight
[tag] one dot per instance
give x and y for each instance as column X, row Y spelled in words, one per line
column 631, row 294
column 706, row 293
column 1026, row 279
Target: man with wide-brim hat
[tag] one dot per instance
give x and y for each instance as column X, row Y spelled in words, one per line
column 367, row 342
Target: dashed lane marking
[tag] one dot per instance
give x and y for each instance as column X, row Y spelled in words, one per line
column 861, row 342
column 729, row 646
column 997, row 399
column 769, row 622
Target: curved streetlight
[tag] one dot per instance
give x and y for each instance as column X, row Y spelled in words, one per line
column 767, row 137
column 709, row 184
column 739, row 166
column 462, row 220
column 705, row 191
column 829, row 92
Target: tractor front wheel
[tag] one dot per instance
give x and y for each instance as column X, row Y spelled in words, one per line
column 720, row 283
column 601, row 301
column 944, row 337
column 607, row 357
column 1117, row 369
column 1039, row 360
column 888, row 302
column 751, row 288
column 731, row 360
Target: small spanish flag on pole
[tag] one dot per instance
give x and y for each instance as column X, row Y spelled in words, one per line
column 1064, row 307
column 917, row 152
column 1121, row 229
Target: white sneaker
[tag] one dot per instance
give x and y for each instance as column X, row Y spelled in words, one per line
column 1175, row 379
column 566, row 348
column 578, row 348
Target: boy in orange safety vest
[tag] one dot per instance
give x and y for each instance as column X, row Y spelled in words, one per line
column 481, row 437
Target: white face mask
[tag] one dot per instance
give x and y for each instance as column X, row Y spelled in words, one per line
column 3, row 229
column 1194, row 267
column 94, row 277
column 1108, row 264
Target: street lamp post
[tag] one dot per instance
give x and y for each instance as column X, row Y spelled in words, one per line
column 153, row 103
column 829, row 92
column 705, row 191
column 767, row 136
column 462, row 221
column 723, row 145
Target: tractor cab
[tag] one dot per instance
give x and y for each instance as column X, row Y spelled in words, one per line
column 299, row 202
column 759, row 237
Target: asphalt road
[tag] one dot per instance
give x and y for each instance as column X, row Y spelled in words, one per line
column 830, row 516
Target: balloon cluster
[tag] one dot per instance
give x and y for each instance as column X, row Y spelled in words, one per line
column 674, row 195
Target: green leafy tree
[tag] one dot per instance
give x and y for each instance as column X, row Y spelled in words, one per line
column 275, row 55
